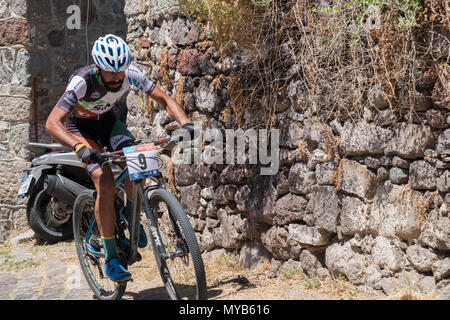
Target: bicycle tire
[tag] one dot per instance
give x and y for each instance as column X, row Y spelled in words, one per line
column 177, row 287
column 83, row 215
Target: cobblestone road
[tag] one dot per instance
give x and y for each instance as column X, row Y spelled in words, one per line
column 39, row 272
column 30, row 271
column 26, row 274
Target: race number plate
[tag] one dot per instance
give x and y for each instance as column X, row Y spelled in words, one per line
column 25, row 184
column 142, row 161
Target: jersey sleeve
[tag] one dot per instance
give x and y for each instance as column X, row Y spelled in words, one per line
column 139, row 80
column 75, row 91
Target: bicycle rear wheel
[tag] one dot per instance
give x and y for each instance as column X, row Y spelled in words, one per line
column 89, row 249
column 182, row 268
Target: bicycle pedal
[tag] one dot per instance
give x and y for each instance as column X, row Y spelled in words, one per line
column 124, row 281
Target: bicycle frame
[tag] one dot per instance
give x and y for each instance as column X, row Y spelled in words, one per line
column 140, row 197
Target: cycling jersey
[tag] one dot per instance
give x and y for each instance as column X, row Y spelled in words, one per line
column 89, row 104
column 85, row 97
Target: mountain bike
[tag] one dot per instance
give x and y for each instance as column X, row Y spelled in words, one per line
column 173, row 242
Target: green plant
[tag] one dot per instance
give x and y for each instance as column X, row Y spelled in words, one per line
column 261, row 2
column 292, row 273
column 313, row 283
column 11, row 263
column 364, row 9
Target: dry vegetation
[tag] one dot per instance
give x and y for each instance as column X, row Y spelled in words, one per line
column 345, row 55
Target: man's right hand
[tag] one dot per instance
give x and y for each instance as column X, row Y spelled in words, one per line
column 88, row 155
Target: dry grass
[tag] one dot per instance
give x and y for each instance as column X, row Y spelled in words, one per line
column 179, row 91
column 408, row 294
column 171, row 185
column 164, row 68
column 340, row 56
column 337, row 176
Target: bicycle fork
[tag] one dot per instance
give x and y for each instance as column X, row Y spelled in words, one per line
column 151, row 217
column 150, row 212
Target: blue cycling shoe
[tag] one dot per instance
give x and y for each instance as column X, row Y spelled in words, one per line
column 142, row 242
column 115, row 271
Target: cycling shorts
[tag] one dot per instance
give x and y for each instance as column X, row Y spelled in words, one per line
column 106, row 131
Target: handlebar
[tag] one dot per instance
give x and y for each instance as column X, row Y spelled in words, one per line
column 117, row 156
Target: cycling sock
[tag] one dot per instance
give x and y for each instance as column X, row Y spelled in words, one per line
column 109, row 244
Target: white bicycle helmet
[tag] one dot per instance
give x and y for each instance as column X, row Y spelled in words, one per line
column 111, row 53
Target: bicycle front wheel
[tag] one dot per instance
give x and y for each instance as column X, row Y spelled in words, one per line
column 181, row 266
column 89, row 249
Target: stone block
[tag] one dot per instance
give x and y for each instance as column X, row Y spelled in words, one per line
column 184, row 32
column 387, row 256
column 324, row 208
column 356, row 179
column 275, row 240
column 324, row 173
column 443, row 143
column 301, row 179
column 308, row 235
column 342, row 260
column 363, row 138
column 422, row 175
column 15, row 31
column 395, row 212
column 232, row 232
column 398, row 175
column 409, row 140
column 353, row 216
column 11, row 173
column 289, row 208
column 421, row 258
column 436, row 233
column 190, row 198
column 443, row 182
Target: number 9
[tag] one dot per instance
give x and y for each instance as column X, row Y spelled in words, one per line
column 142, row 161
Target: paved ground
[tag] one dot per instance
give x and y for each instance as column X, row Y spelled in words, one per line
column 24, row 277
column 31, row 271
column 39, row 272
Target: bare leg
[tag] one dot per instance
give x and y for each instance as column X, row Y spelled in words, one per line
column 104, row 206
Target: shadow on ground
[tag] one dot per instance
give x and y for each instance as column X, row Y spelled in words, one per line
column 160, row 293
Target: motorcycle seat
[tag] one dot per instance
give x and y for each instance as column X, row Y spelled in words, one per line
column 45, row 147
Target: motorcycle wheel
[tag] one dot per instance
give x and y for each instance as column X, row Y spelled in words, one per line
column 42, row 218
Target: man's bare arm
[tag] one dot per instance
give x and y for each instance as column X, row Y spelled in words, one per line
column 55, row 127
column 172, row 107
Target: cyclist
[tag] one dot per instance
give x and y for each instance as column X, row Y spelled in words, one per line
column 83, row 120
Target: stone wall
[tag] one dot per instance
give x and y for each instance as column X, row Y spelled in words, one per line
column 368, row 200
column 16, row 41
column 38, row 53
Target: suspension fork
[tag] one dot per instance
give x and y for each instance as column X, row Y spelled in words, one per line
column 151, row 216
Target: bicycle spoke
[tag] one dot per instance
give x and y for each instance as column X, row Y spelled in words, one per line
column 92, row 263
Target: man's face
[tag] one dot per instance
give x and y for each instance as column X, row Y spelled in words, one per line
column 112, row 80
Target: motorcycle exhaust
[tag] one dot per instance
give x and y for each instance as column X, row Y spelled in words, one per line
column 62, row 188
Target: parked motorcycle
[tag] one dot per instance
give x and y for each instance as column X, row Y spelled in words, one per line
column 51, row 184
